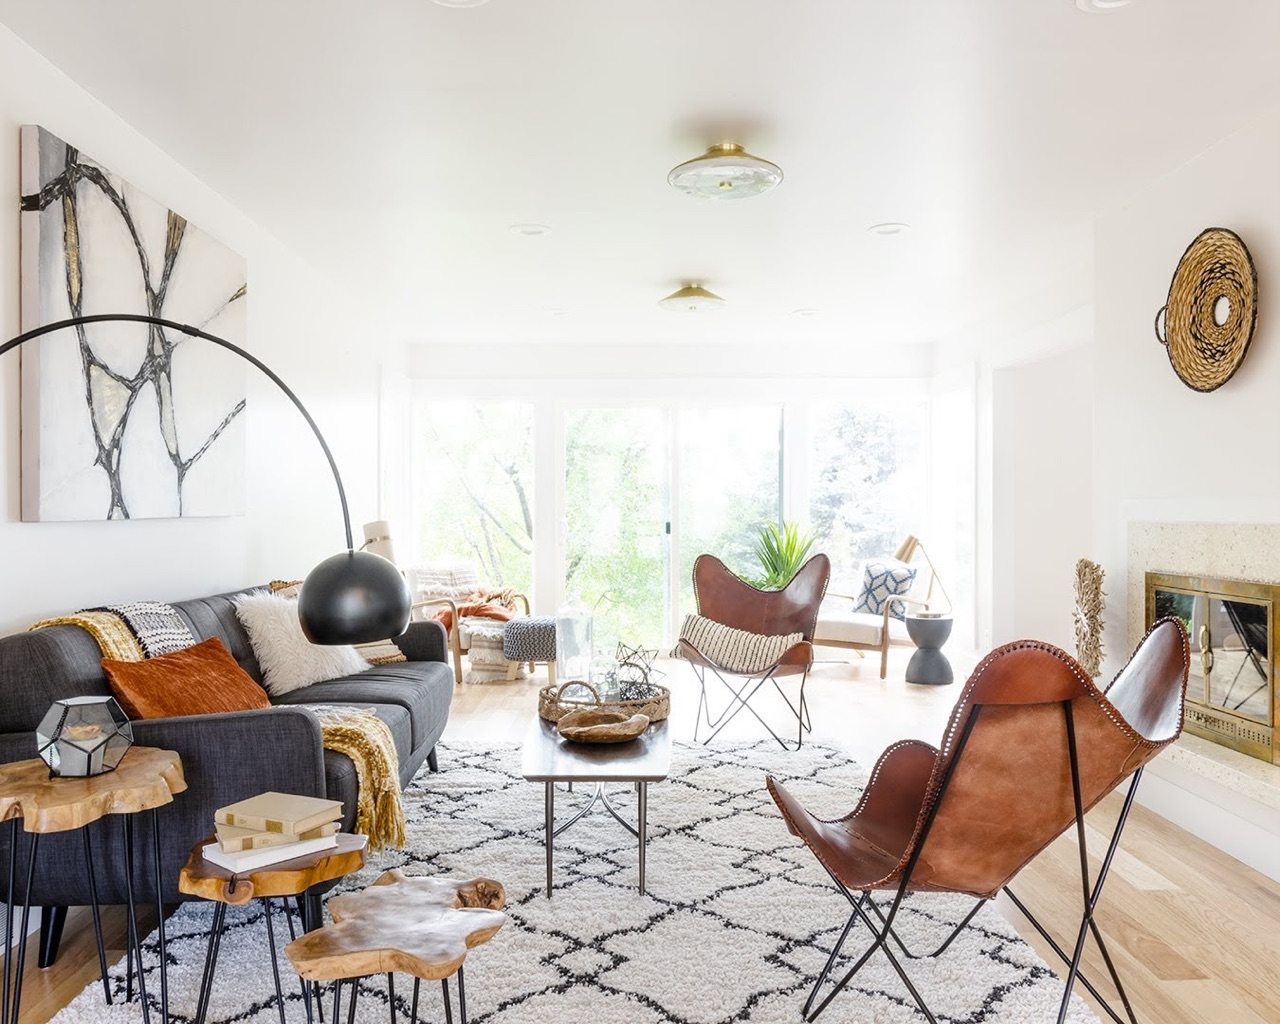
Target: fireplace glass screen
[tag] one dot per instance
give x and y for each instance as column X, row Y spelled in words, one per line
column 1230, row 696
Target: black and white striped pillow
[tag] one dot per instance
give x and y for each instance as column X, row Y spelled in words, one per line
column 735, row 649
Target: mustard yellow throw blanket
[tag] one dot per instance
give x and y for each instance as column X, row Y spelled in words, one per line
column 365, row 738
column 359, row 734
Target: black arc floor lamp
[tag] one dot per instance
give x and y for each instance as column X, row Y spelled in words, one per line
column 349, row 598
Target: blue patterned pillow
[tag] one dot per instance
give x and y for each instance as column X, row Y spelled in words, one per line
column 884, row 581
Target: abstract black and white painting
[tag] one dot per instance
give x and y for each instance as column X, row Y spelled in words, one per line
column 124, row 421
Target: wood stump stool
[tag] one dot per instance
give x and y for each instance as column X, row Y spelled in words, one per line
column 297, row 877
column 419, row 926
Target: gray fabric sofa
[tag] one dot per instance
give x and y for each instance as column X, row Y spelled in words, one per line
column 225, row 757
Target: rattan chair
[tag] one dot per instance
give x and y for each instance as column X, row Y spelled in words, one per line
column 725, row 598
column 1031, row 745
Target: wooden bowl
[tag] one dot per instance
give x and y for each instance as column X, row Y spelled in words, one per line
column 601, row 726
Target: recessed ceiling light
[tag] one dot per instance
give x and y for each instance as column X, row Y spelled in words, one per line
column 529, row 230
column 804, row 312
column 692, row 298
column 1101, row 6
column 461, row 3
column 889, row 227
column 555, row 311
column 726, row 171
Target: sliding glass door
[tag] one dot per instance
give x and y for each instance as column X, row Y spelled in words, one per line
column 728, row 480
column 638, row 478
column 630, row 494
column 615, row 502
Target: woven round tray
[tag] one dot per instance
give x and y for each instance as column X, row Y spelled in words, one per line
column 553, row 706
column 1204, row 352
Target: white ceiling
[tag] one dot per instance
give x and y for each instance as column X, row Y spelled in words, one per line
column 393, row 142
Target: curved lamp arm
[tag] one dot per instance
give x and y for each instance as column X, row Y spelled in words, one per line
column 351, row 597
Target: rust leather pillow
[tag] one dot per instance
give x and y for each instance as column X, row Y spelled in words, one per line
column 202, row 679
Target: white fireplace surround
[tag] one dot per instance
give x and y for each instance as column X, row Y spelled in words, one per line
column 1228, row 799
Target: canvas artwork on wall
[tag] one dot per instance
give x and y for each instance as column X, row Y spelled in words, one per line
column 124, row 421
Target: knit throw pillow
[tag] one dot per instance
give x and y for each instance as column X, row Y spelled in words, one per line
column 885, row 581
column 736, row 650
column 289, row 661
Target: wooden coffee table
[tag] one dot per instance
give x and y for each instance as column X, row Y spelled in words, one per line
column 550, row 758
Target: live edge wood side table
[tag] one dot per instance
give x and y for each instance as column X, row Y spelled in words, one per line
column 285, row 878
column 146, row 778
column 421, row 926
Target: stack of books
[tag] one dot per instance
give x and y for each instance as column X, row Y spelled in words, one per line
column 271, row 828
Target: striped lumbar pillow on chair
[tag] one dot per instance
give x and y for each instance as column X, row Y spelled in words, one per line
column 736, row 650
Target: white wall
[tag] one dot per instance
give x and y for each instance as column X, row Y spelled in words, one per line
column 1026, row 423
column 1042, row 415
column 1165, row 453
column 299, row 324
column 428, row 361
column 1162, row 451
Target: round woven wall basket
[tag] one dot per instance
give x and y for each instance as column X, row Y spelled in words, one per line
column 1208, row 320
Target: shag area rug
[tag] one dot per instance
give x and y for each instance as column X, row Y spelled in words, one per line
column 736, row 924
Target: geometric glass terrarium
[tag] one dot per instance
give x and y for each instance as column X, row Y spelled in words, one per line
column 82, row 736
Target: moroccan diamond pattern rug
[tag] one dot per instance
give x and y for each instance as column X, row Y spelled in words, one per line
column 735, row 926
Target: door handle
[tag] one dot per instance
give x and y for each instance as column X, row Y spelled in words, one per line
column 1206, row 650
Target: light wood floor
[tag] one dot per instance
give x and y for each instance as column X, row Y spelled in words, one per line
column 1196, row 934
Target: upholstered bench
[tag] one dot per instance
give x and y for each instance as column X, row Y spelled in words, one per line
column 531, row 639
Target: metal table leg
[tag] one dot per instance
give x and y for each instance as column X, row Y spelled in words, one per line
column 210, row 961
column 26, row 921
column 136, row 940
column 275, row 964
column 164, row 963
column 97, row 913
column 8, row 916
column 550, row 814
column 644, row 827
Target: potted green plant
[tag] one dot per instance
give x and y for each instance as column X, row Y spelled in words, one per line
column 781, row 551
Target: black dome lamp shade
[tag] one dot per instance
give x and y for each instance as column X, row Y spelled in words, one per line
column 350, row 598
column 353, row 597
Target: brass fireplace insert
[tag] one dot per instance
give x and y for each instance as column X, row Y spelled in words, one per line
column 1231, row 693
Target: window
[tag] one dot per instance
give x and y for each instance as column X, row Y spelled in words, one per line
column 474, row 487
column 866, row 479
column 730, row 465
column 616, row 521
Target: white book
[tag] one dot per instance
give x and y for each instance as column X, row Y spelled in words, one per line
column 243, row 861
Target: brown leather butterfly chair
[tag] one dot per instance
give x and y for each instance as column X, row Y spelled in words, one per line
column 724, row 598
column 1031, row 745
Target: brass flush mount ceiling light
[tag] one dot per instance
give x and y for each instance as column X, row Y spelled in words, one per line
column 726, row 171
column 692, row 298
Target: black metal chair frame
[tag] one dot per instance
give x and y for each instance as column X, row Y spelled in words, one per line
column 751, row 684
column 1090, row 892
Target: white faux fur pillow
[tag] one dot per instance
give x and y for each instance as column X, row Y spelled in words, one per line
column 288, row 659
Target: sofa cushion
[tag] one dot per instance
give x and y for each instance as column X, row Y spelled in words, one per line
column 202, row 679
column 841, row 625
column 288, row 659
column 423, row 689
column 216, row 616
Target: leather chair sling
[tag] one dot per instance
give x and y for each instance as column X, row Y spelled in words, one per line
column 725, row 598
column 1031, row 746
